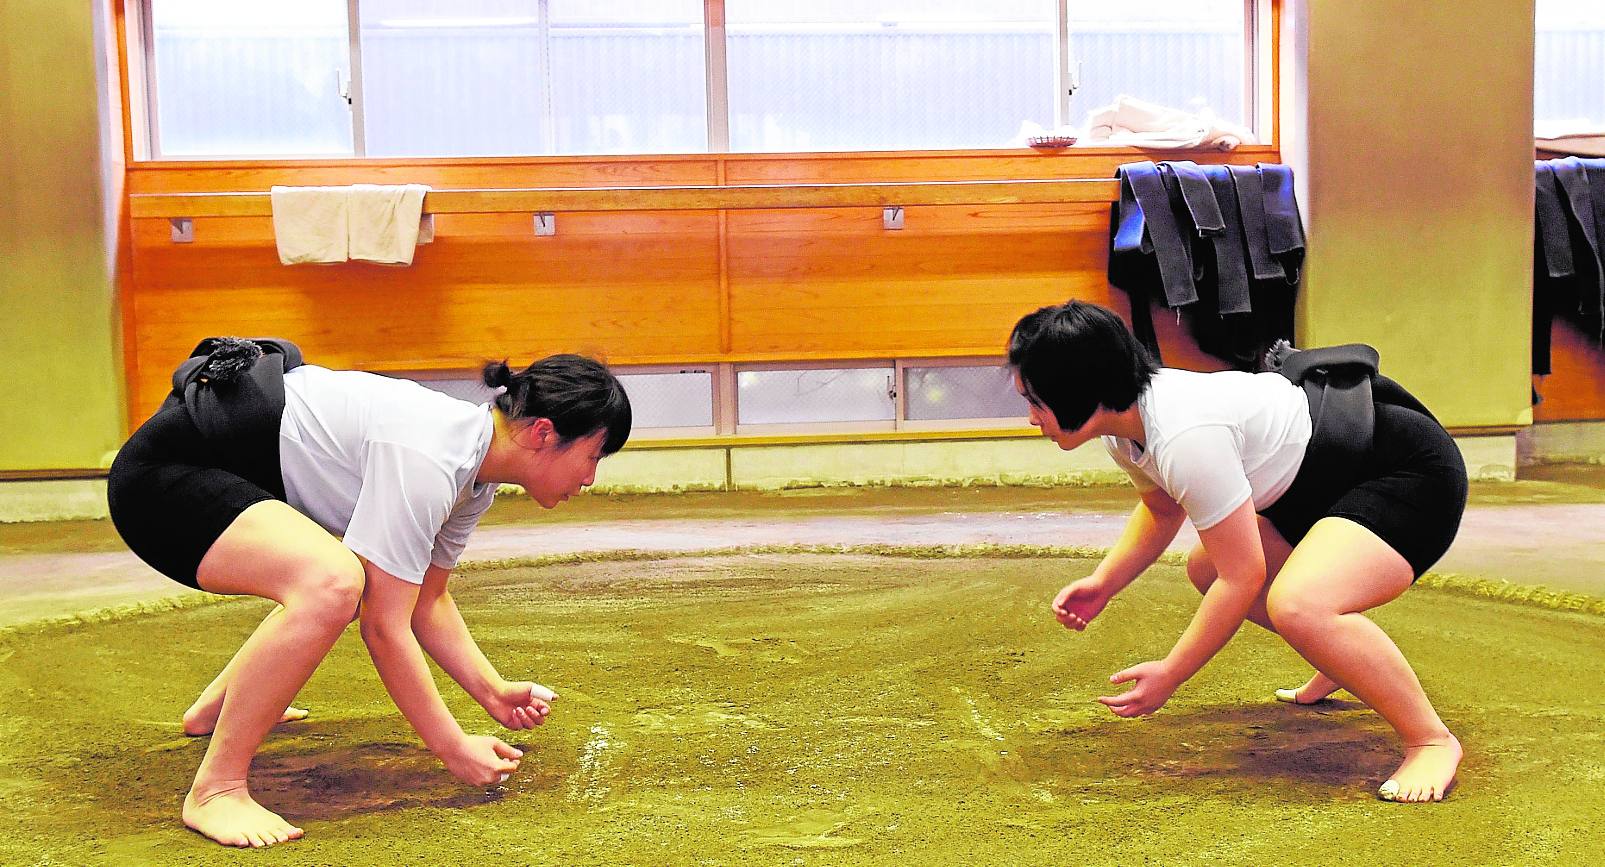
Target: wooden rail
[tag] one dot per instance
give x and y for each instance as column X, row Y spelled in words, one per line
column 684, row 198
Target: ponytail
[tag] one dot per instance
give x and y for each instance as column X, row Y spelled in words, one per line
column 579, row 395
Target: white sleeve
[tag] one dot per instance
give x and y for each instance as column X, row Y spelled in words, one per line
column 453, row 535
column 405, row 498
column 1202, row 469
column 1139, row 479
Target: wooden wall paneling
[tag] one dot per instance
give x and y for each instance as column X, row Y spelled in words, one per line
column 636, row 287
column 1575, row 389
column 169, row 177
column 983, row 165
column 954, row 277
column 618, row 285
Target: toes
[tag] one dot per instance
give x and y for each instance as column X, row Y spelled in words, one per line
column 1389, row 791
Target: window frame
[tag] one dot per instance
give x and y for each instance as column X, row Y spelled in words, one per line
column 142, row 129
column 684, row 431
column 1013, row 422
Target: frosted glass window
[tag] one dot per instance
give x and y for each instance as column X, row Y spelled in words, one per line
column 1187, row 54
column 1570, row 51
column 803, row 396
column 670, row 399
column 962, row 392
column 491, row 77
column 628, row 77
column 887, row 74
column 458, row 79
column 251, row 79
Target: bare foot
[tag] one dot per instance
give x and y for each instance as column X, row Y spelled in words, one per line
column 230, row 817
column 201, row 717
column 1315, row 690
column 1426, row 773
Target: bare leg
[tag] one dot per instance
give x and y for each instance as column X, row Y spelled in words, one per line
column 201, row 717
column 1339, row 570
column 1314, row 690
column 275, row 552
column 1201, row 572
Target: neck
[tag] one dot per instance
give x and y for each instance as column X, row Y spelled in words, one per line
column 497, row 464
column 1126, row 424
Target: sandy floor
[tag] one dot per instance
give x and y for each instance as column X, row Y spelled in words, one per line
column 1546, row 531
column 824, row 709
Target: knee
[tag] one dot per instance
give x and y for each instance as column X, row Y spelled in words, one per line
column 329, row 592
column 1200, row 569
column 1294, row 614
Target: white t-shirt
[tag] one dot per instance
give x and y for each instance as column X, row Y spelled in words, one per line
column 386, row 463
column 1217, row 440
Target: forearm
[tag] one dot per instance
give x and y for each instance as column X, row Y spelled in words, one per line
column 1225, row 606
column 442, row 633
column 400, row 662
column 1145, row 537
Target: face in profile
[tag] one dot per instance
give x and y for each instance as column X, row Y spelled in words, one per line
column 554, row 470
column 1043, row 419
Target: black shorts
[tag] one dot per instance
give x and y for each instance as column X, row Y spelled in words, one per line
column 172, row 493
column 1411, row 493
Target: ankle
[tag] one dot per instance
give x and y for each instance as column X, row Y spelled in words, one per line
column 202, row 791
column 1438, row 739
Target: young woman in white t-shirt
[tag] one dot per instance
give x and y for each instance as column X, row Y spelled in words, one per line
column 1296, row 553
column 360, row 512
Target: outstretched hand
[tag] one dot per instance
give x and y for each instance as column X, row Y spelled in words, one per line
column 1152, row 686
column 1079, row 602
column 519, row 704
column 481, row 760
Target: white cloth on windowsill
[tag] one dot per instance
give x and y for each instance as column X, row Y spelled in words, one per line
column 1133, row 122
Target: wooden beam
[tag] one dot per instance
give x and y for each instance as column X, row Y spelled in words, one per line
column 711, row 198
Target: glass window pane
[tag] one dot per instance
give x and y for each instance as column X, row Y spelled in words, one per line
column 962, row 392
column 463, row 79
column 487, row 78
column 1570, row 51
column 670, row 399
column 887, row 74
column 797, row 396
column 628, row 77
column 1185, row 54
column 251, row 79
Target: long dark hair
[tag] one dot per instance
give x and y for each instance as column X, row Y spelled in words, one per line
column 579, row 395
column 1075, row 357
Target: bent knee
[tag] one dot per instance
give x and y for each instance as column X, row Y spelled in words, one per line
column 331, row 589
column 1200, row 569
column 1292, row 613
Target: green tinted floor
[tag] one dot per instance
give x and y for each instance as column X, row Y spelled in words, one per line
column 824, row 709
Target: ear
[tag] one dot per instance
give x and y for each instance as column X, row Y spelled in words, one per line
column 544, row 432
column 539, row 433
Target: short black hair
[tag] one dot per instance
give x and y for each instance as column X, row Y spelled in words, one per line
column 1076, row 357
column 579, row 395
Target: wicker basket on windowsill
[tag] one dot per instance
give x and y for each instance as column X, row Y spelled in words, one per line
column 1051, row 142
